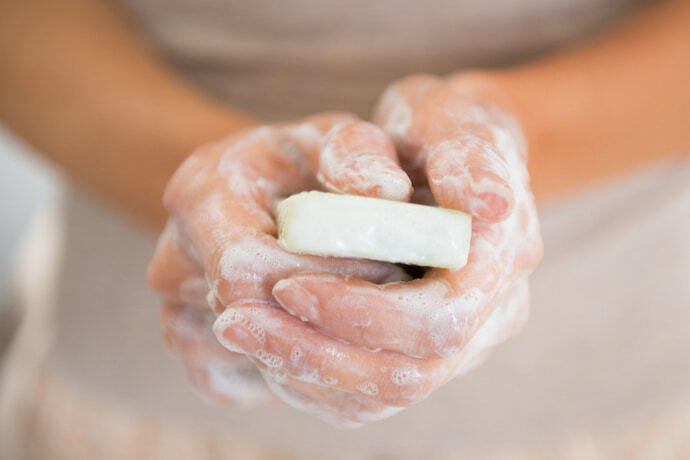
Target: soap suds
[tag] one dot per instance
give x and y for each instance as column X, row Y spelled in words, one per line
column 368, row 388
column 359, row 159
column 408, row 375
column 243, row 386
column 269, row 359
column 231, row 316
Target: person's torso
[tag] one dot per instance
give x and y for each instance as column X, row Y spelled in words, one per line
column 291, row 58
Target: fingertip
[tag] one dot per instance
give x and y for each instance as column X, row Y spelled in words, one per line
column 373, row 176
column 493, row 202
column 282, row 285
column 392, row 184
column 235, row 332
column 470, row 176
column 359, row 159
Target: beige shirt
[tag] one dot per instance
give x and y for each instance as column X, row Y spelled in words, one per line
column 610, row 328
column 288, row 58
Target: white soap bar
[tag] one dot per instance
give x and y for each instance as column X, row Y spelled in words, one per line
column 329, row 224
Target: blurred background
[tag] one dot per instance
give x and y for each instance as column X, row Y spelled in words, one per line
column 29, row 186
column 601, row 370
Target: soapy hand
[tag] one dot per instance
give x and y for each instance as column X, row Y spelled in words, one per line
column 338, row 338
column 219, row 248
column 351, row 350
column 462, row 152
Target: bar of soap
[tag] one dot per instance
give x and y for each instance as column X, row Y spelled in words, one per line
column 330, row 224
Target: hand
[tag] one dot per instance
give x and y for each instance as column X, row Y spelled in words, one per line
column 362, row 350
column 219, row 248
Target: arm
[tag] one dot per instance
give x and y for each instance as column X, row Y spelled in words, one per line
column 617, row 102
column 79, row 86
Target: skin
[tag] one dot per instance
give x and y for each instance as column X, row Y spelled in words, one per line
column 459, row 145
column 91, row 96
column 277, row 308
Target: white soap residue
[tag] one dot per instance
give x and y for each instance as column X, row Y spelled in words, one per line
column 212, row 300
column 302, row 403
column 359, row 159
column 242, row 385
column 269, row 359
column 231, row 316
column 368, row 388
column 329, row 380
column 303, row 137
column 408, row 375
column 398, row 113
column 465, row 168
column 296, row 355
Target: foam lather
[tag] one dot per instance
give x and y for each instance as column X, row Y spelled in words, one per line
column 329, row 224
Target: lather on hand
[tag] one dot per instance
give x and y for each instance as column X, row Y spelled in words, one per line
column 462, row 152
column 326, row 335
column 219, row 245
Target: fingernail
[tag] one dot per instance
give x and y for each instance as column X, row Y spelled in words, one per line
column 238, row 333
column 296, row 300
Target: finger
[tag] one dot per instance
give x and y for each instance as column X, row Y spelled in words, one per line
column 296, row 399
column 469, row 152
column 303, row 140
column 435, row 316
column 174, row 274
column 223, row 382
column 214, row 371
column 285, row 344
column 336, row 407
column 234, row 236
column 359, row 159
column 247, row 266
column 506, row 320
column 394, row 114
column 269, row 162
column 468, row 173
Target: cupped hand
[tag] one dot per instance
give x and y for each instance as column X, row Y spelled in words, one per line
column 352, row 350
column 219, row 249
column 348, row 340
